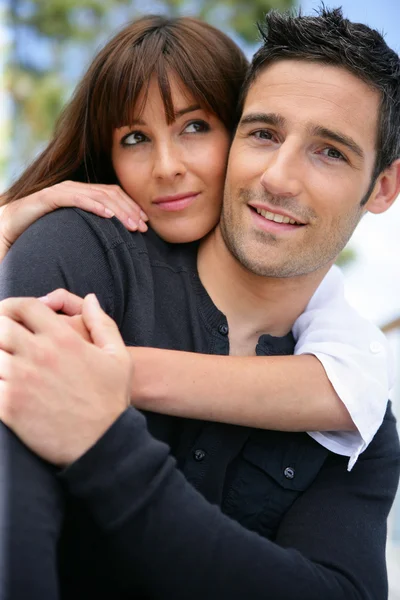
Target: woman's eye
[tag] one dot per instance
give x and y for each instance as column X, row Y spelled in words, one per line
column 134, row 138
column 333, row 153
column 197, row 127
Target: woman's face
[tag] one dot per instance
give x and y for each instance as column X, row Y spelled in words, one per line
column 174, row 172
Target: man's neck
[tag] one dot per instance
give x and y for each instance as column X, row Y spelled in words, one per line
column 252, row 304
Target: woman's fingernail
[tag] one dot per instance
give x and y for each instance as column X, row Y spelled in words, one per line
column 143, row 216
column 132, row 223
column 109, row 212
column 93, row 300
column 43, row 299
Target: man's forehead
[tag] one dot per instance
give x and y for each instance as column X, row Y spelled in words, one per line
column 292, row 71
column 299, row 89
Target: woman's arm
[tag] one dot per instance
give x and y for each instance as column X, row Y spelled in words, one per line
column 103, row 200
column 292, row 393
column 288, row 393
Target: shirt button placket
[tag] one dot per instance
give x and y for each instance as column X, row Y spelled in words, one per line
column 221, row 340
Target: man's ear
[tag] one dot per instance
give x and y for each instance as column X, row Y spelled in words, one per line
column 386, row 189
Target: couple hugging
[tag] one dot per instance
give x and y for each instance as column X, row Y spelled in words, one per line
column 155, row 406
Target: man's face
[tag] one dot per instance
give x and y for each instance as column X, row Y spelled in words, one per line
column 300, row 165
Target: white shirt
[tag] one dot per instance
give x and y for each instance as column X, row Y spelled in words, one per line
column 356, row 357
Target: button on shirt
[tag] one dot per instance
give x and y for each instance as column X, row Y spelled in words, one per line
column 223, row 329
column 199, row 455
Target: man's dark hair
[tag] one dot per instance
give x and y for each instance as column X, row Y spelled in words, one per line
column 330, row 39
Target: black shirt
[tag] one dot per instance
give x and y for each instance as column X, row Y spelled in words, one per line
column 173, row 508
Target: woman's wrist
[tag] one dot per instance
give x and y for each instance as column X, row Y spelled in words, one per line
column 148, row 379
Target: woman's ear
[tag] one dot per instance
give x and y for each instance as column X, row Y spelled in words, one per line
column 386, row 189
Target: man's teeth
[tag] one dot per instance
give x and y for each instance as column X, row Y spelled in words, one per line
column 277, row 218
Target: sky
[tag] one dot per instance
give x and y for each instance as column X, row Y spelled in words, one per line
column 383, row 15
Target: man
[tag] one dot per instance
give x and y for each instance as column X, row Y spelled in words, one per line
column 247, row 513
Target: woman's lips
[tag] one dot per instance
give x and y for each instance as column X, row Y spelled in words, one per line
column 177, row 202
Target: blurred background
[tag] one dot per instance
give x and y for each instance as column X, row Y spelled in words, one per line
column 45, row 45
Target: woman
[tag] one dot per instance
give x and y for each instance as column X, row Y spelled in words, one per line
column 145, row 116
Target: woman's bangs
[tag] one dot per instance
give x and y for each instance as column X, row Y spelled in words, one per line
column 196, row 71
column 187, row 79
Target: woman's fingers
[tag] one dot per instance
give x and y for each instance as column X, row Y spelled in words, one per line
column 102, row 200
column 77, row 325
column 31, row 314
column 119, row 200
column 61, row 300
column 13, row 335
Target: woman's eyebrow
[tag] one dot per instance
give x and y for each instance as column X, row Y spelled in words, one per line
column 178, row 113
column 187, row 109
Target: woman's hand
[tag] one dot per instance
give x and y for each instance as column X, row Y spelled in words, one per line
column 58, row 393
column 63, row 301
column 78, row 325
column 146, row 360
column 103, row 200
column 70, row 306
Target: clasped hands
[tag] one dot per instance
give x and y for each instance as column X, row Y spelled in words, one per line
column 64, row 380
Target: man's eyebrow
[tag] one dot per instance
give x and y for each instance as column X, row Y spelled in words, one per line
column 340, row 138
column 266, row 118
column 179, row 113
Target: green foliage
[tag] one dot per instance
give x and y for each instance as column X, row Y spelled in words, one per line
column 346, row 257
column 245, row 15
column 62, row 20
column 52, row 28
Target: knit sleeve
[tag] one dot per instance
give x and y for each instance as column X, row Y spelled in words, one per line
column 61, row 249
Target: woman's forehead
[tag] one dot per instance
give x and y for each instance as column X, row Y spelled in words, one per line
column 169, row 94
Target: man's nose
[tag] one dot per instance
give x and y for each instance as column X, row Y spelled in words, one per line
column 169, row 161
column 283, row 172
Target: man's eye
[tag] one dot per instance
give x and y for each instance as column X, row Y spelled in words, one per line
column 333, row 153
column 262, row 134
column 134, row 138
column 197, row 127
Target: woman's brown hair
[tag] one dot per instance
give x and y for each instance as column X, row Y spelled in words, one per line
column 207, row 61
